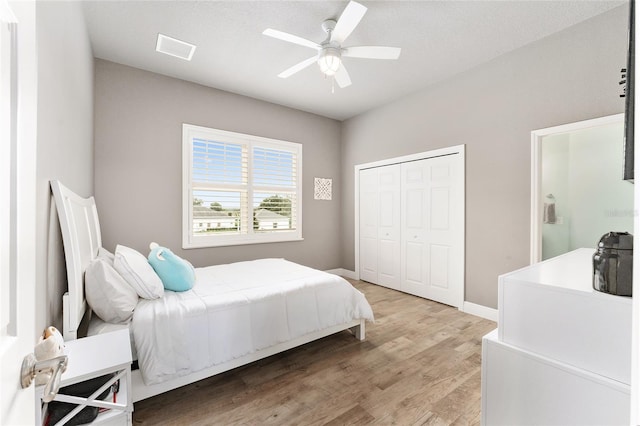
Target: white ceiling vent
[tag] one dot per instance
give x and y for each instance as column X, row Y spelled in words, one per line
column 175, row 47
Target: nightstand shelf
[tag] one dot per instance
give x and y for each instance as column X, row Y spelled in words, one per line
column 92, row 357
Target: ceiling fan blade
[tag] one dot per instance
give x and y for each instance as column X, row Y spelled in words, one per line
column 342, row 77
column 348, row 21
column 290, row 38
column 298, row 67
column 372, row 52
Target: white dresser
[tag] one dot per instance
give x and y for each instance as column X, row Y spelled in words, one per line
column 562, row 352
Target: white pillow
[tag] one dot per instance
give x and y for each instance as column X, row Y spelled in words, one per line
column 105, row 254
column 108, row 294
column 135, row 269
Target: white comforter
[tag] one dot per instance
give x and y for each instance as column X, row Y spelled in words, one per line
column 236, row 309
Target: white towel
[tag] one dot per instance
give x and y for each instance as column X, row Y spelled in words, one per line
column 549, row 215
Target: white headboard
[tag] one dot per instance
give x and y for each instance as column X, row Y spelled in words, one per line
column 81, row 238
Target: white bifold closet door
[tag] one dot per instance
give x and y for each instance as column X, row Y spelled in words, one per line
column 412, row 227
column 380, row 225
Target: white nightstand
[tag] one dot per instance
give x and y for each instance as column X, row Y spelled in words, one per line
column 92, row 357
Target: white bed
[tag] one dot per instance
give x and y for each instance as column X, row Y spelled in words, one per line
column 235, row 314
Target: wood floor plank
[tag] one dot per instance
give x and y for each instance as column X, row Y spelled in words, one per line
column 355, row 416
column 420, row 365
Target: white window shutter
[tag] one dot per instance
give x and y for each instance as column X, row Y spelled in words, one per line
column 239, row 189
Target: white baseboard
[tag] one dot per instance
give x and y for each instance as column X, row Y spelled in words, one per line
column 467, row 307
column 480, row 311
column 343, row 273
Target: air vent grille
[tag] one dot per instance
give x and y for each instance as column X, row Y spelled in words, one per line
column 175, row 47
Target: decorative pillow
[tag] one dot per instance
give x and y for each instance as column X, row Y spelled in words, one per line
column 135, row 269
column 108, row 294
column 176, row 273
column 105, row 254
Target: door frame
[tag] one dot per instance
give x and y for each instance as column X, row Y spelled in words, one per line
column 18, row 335
column 452, row 150
column 535, row 252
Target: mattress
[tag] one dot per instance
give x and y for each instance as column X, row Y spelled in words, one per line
column 237, row 309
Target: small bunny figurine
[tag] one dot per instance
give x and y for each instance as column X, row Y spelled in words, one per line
column 50, row 345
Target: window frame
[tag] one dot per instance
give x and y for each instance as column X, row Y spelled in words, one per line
column 189, row 240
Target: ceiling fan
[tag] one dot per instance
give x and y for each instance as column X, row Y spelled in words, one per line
column 330, row 51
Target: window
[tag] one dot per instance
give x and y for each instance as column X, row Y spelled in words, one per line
column 249, row 186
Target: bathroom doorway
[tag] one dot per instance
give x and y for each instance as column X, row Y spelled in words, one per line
column 578, row 192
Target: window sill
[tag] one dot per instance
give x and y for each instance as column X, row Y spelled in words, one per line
column 210, row 244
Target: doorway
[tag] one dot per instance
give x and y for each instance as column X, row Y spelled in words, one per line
column 578, row 192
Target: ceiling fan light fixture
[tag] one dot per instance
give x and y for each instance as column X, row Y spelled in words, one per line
column 330, row 51
column 329, row 60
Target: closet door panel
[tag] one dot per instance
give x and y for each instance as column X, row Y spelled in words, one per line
column 387, row 210
column 440, row 209
column 380, row 225
column 368, row 204
column 439, row 266
column 368, row 217
column 368, row 260
column 444, row 234
column 414, row 224
column 389, row 226
column 387, row 263
column 413, row 264
column 414, row 210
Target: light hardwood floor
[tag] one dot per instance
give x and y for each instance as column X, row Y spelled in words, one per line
column 419, row 364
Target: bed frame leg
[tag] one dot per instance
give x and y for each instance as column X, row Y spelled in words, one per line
column 359, row 331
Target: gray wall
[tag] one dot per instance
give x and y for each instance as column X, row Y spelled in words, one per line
column 138, row 165
column 65, row 139
column 567, row 77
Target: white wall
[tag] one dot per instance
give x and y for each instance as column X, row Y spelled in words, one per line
column 567, row 77
column 554, row 180
column 65, row 139
column 600, row 200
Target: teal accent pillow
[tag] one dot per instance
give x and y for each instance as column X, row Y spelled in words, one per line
column 176, row 273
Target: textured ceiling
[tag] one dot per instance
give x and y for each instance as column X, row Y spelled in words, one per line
column 438, row 39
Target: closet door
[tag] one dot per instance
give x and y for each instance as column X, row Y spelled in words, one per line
column 432, row 229
column 369, row 225
column 389, row 229
column 380, row 225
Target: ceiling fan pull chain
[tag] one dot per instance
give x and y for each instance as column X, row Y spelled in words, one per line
column 333, row 82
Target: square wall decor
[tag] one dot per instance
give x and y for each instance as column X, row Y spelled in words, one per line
column 322, row 189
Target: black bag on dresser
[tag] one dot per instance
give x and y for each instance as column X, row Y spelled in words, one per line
column 613, row 264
